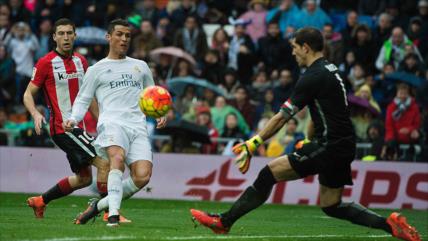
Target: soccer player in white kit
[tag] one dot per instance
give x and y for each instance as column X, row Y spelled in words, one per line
column 116, row 82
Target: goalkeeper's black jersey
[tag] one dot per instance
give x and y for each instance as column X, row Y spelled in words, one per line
column 323, row 91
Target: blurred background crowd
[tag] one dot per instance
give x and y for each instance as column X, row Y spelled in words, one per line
column 229, row 67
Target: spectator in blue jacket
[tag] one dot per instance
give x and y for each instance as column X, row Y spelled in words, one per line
column 286, row 14
column 313, row 16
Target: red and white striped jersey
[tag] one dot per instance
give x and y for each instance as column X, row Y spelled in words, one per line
column 60, row 78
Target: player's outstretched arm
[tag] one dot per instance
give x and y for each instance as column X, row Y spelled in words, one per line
column 84, row 97
column 29, row 103
column 245, row 150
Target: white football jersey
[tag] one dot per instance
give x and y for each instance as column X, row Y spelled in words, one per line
column 117, row 85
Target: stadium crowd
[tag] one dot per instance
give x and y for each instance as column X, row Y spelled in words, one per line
column 238, row 58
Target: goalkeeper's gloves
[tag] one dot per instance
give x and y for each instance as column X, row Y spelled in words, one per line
column 244, row 152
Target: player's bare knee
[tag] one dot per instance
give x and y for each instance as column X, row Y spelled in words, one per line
column 141, row 180
column 117, row 161
column 282, row 170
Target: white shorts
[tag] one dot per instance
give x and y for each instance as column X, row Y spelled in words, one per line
column 135, row 142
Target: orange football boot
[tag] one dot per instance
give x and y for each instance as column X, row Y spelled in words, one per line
column 210, row 221
column 401, row 229
column 38, row 205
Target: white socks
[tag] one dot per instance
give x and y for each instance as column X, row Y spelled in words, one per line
column 129, row 189
column 115, row 191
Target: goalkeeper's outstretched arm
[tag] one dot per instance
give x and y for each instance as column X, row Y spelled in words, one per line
column 275, row 124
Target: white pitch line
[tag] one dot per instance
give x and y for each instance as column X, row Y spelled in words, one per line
column 272, row 236
column 83, row 238
column 220, row 237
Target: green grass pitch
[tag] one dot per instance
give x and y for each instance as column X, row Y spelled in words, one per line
column 170, row 220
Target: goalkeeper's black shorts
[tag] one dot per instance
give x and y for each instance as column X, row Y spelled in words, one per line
column 332, row 165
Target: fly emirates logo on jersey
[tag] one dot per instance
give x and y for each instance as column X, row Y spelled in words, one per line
column 126, row 81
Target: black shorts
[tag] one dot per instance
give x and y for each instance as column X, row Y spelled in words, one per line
column 332, row 165
column 78, row 147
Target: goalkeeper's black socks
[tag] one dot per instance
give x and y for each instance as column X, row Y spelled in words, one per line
column 357, row 214
column 253, row 197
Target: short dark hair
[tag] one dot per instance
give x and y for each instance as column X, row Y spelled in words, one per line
column 63, row 21
column 311, row 36
column 118, row 21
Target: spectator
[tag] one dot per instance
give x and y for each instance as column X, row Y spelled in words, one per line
column 230, row 82
column 399, row 19
column 219, row 113
column 183, row 69
column 414, row 31
column 184, row 102
column 312, row 16
column 375, row 135
column 370, row 7
column 356, row 77
column 203, row 118
column 266, row 108
column 145, row 41
column 165, row 30
column 3, row 136
column 382, row 30
column 363, row 47
column 45, row 38
column 186, row 9
column 209, row 97
column 423, row 14
column 403, row 119
column 283, row 89
column 333, row 44
column 257, row 17
column 148, row 11
column 286, row 14
column 351, row 22
column 4, row 23
column 231, row 129
column 361, row 118
column 274, row 52
column 260, row 84
column 22, row 47
column 242, row 53
column 192, row 39
column 284, row 143
column 394, row 49
column 241, row 102
column 7, row 81
column 304, row 121
column 411, row 64
column 18, row 12
column 220, row 42
column 46, row 9
column 365, row 92
column 418, row 36
column 349, row 62
column 212, row 67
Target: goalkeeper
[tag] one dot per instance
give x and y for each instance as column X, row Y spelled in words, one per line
column 329, row 154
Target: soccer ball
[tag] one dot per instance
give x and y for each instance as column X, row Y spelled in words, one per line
column 155, row 101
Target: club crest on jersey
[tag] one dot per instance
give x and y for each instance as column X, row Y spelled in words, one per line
column 137, row 69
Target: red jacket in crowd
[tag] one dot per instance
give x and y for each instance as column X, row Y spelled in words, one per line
column 410, row 119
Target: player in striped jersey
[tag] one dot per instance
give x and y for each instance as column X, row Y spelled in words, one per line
column 59, row 75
